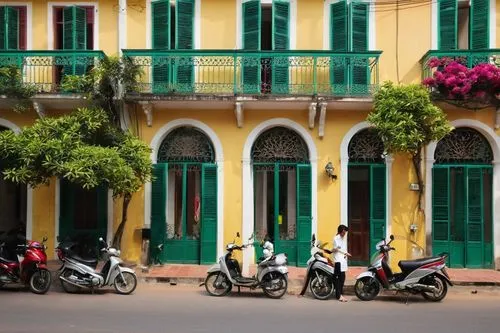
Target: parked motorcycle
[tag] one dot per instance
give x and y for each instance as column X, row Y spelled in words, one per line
column 320, row 272
column 272, row 272
column 29, row 268
column 426, row 276
column 77, row 272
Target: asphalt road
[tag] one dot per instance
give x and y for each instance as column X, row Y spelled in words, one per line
column 187, row 309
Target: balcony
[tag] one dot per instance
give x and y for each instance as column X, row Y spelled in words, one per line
column 258, row 75
column 469, row 58
column 45, row 70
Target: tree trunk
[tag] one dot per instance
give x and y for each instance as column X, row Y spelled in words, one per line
column 417, row 159
column 117, row 239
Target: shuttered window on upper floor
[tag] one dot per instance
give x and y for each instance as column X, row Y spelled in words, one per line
column 463, row 24
column 173, row 24
column 74, row 28
column 349, row 26
column 13, row 27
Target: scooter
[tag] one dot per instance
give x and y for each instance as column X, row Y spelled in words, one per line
column 320, row 272
column 30, row 268
column 426, row 276
column 272, row 272
column 77, row 272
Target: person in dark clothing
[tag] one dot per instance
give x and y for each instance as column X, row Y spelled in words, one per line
column 340, row 255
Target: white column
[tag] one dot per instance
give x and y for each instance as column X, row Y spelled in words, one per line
column 248, row 213
column 496, row 213
column 429, row 162
column 122, row 25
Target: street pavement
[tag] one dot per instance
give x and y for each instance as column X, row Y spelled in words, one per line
column 159, row 308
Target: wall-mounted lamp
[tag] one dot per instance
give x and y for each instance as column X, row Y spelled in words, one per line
column 329, row 169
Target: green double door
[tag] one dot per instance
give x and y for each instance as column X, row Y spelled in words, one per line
column 462, row 214
column 283, row 208
column 366, row 209
column 184, row 213
column 83, row 214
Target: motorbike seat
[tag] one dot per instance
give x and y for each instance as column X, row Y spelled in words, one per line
column 86, row 261
column 7, row 261
column 411, row 265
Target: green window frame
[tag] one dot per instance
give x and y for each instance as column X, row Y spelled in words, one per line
column 9, row 28
column 251, row 38
column 281, row 42
column 479, row 26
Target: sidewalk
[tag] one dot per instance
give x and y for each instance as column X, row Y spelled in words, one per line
column 171, row 273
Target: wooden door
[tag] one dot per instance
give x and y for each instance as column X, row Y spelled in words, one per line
column 359, row 214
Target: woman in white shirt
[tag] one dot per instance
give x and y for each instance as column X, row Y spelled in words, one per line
column 340, row 256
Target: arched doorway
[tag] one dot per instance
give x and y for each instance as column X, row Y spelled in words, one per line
column 462, row 189
column 184, row 199
column 282, row 192
column 366, row 194
column 13, row 202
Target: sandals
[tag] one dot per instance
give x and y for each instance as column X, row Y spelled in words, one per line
column 342, row 299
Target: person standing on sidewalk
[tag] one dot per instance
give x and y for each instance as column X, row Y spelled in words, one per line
column 340, row 256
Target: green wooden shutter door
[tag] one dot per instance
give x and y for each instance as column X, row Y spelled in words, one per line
column 158, row 212
column 447, row 26
column 338, row 43
column 281, row 41
column 3, row 28
column 184, row 29
column 440, row 204
column 304, row 212
column 359, row 73
column 251, row 41
column 475, row 218
column 377, row 204
column 74, row 36
column 12, row 19
column 161, row 40
column 208, row 214
column 479, row 24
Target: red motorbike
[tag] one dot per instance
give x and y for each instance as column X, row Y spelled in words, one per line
column 30, row 268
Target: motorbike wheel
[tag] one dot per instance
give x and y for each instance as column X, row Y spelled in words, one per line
column 274, row 285
column 366, row 288
column 223, row 286
column 68, row 287
column 440, row 293
column 125, row 285
column 40, row 281
column 322, row 287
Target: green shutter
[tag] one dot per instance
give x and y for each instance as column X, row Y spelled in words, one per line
column 74, row 36
column 208, row 214
column 338, row 43
column 184, row 29
column 251, row 41
column 479, row 24
column 440, row 204
column 447, row 18
column 359, row 67
column 158, row 212
column 161, row 40
column 475, row 218
column 12, row 20
column 281, row 41
column 304, row 212
column 378, row 204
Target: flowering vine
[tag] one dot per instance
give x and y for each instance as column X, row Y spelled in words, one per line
column 452, row 80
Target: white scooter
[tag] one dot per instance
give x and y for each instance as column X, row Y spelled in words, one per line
column 77, row 272
column 272, row 272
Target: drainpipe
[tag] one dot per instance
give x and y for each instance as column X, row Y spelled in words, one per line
column 122, row 25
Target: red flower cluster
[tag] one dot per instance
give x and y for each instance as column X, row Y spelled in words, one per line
column 453, row 80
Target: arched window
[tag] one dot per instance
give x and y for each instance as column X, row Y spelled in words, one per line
column 280, row 144
column 186, row 144
column 463, row 145
column 366, row 147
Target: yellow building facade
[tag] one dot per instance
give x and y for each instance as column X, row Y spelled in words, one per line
column 246, row 103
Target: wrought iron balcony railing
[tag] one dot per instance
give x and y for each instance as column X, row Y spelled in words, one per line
column 228, row 72
column 46, row 70
column 469, row 58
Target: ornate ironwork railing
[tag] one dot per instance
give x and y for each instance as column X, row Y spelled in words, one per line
column 238, row 72
column 45, row 70
column 469, row 58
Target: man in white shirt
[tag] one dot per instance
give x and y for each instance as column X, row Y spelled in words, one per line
column 340, row 255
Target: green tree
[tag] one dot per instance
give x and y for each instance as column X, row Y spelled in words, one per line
column 83, row 147
column 407, row 121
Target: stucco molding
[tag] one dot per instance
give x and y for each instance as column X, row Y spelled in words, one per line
column 238, row 113
column 494, row 141
column 322, row 119
column 313, row 108
column 147, row 108
column 344, row 175
column 247, row 178
column 155, row 144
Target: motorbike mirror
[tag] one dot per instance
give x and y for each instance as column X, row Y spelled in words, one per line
column 238, row 234
column 391, row 237
column 44, row 239
column 100, row 239
column 313, row 238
